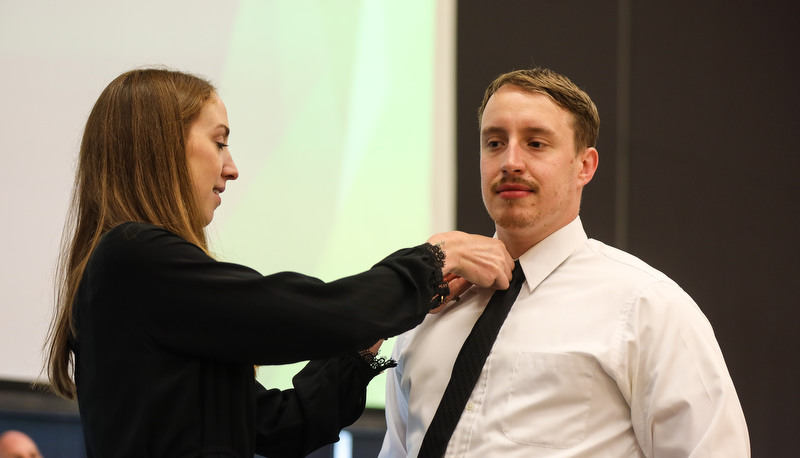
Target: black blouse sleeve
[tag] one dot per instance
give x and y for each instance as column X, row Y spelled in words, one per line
column 186, row 301
column 328, row 395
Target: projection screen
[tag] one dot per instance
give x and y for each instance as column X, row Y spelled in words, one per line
column 342, row 129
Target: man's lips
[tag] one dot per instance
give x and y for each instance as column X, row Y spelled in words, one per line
column 513, row 190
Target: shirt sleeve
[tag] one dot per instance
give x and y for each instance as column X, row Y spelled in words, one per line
column 186, row 301
column 396, row 409
column 683, row 401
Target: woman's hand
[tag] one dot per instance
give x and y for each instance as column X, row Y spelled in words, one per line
column 457, row 285
column 477, row 259
column 374, row 349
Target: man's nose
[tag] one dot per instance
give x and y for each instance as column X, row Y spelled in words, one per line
column 512, row 160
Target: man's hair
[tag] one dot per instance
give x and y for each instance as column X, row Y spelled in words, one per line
column 563, row 92
column 132, row 167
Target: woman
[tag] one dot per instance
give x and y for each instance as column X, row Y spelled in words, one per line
column 157, row 340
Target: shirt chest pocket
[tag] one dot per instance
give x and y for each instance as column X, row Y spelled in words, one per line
column 548, row 399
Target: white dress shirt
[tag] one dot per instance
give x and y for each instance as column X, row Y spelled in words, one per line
column 600, row 356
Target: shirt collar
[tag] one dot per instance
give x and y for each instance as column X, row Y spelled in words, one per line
column 544, row 257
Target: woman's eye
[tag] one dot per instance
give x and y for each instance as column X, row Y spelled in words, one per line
column 221, row 145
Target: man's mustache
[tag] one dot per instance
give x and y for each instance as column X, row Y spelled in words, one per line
column 533, row 186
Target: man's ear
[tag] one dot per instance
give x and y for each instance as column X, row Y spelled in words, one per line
column 587, row 162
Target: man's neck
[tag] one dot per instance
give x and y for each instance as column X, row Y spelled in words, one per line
column 519, row 240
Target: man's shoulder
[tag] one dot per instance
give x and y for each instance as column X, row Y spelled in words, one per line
column 622, row 263
column 631, row 278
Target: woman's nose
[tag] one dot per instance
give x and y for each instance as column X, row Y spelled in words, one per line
column 229, row 169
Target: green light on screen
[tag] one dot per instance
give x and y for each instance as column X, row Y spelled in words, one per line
column 331, row 121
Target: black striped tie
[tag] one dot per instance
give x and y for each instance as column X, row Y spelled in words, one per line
column 467, row 368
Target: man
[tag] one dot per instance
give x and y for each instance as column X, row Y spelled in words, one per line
column 16, row 444
column 601, row 355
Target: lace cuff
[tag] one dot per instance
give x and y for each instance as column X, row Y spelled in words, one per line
column 440, row 287
column 377, row 364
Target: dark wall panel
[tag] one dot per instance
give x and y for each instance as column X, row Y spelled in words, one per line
column 713, row 185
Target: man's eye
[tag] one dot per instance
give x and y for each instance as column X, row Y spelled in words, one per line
column 493, row 143
column 536, row 145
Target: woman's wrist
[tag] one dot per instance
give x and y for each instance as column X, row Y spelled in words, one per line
column 377, row 364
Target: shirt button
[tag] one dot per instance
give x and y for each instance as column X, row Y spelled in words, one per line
column 470, row 407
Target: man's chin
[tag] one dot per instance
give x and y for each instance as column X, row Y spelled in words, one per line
column 513, row 220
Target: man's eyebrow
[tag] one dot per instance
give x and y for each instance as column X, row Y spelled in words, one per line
column 529, row 130
column 492, row 131
column 540, row 130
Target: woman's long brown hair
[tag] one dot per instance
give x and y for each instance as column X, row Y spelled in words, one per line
column 132, row 167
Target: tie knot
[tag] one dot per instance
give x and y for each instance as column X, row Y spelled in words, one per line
column 517, row 276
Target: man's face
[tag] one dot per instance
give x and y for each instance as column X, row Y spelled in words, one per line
column 531, row 176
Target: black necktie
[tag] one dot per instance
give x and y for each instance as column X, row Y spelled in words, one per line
column 467, row 368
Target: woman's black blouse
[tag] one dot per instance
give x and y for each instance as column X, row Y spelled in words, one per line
column 166, row 339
